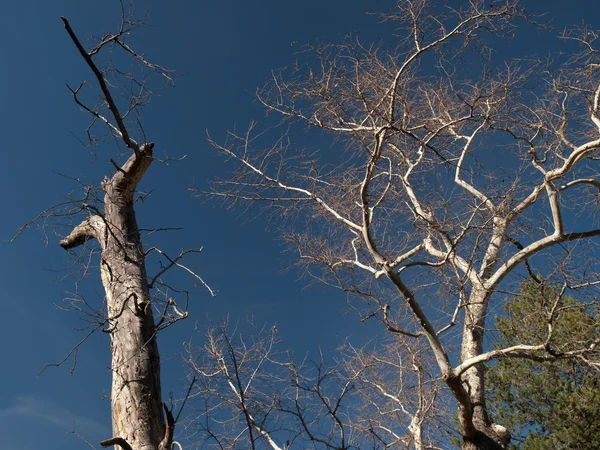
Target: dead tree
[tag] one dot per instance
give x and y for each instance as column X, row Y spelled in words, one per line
column 446, row 177
column 136, row 401
column 132, row 315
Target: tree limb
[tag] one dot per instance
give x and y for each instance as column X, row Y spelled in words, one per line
column 116, row 441
column 124, row 134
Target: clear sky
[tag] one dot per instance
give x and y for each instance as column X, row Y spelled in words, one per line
column 224, row 50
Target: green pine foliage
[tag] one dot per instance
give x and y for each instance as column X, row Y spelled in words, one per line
column 546, row 405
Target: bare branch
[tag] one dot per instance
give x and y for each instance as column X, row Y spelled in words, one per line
column 116, row 441
column 123, row 133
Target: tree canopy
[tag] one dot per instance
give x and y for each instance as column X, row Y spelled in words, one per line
column 448, row 168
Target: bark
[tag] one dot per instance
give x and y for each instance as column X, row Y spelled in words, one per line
column 481, row 433
column 136, row 404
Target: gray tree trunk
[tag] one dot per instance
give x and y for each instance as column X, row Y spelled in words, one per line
column 136, row 403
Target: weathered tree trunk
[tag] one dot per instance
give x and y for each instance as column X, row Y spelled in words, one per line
column 136, row 403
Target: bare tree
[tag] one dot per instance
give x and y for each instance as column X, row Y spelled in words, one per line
column 400, row 405
column 445, row 178
column 235, row 393
column 133, row 312
column 249, row 394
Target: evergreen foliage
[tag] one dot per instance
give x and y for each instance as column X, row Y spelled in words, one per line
column 550, row 405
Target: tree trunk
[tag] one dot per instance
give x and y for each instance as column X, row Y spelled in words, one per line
column 487, row 434
column 136, row 402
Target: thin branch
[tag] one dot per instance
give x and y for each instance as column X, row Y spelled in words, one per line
column 123, row 133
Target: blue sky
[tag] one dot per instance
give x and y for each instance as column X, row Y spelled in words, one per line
column 224, row 50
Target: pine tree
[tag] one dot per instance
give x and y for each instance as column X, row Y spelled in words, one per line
column 555, row 404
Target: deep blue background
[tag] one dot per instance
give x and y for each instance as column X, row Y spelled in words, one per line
column 225, row 50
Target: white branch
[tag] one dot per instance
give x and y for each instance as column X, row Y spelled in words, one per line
column 277, row 183
column 457, row 177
